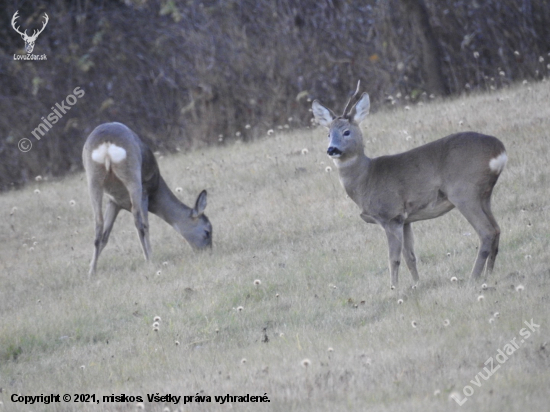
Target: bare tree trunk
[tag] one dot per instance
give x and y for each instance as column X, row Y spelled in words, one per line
column 431, row 54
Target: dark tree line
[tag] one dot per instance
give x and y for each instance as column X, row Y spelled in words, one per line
column 188, row 73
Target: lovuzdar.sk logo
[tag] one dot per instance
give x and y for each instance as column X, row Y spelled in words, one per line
column 29, row 40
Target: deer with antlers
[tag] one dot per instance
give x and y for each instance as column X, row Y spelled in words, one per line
column 394, row 191
column 29, row 40
column 119, row 164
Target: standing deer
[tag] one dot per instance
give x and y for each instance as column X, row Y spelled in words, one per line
column 394, row 191
column 118, row 163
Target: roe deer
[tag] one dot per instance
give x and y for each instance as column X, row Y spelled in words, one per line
column 118, row 163
column 394, row 191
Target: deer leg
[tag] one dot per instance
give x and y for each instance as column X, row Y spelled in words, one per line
column 111, row 213
column 96, row 197
column 488, row 234
column 394, row 233
column 486, row 206
column 140, row 220
column 408, row 251
column 145, row 211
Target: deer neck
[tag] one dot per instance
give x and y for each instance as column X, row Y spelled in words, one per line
column 167, row 206
column 353, row 173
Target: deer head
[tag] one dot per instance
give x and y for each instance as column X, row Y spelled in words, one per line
column 29, row 40
column 345, row 138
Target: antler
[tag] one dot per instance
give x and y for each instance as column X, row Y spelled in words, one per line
column 350, row 99
column 15, row 16
column 36, row 33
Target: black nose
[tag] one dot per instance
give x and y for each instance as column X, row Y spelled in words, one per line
column 333, row 151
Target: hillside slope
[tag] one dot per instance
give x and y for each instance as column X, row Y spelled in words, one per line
column 280, row 216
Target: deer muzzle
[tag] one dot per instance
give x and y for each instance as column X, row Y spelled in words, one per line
column 334, row 152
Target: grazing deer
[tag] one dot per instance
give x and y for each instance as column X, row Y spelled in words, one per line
column 118, row 163
column 394, row 191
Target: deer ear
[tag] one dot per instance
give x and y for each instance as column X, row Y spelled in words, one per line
column 361, row 108
column 200, row 205
column 323, row 115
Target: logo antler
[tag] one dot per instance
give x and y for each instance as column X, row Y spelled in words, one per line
column 29, row 40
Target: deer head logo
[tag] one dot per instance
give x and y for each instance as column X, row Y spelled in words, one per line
column 29, row 40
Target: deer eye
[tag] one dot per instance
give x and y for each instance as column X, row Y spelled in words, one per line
column 347, row 133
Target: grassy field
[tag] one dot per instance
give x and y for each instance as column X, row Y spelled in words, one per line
column 322, row 331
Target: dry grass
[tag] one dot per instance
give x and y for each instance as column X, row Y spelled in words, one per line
column 279, row 217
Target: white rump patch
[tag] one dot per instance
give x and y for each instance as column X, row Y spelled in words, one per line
column 98, row 155
column 118, row 154
column 497, row 164
column 107, row 153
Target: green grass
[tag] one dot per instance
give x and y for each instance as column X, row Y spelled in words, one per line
column 279, row 217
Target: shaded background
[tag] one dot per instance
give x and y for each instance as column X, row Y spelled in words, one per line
column 183, row 74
